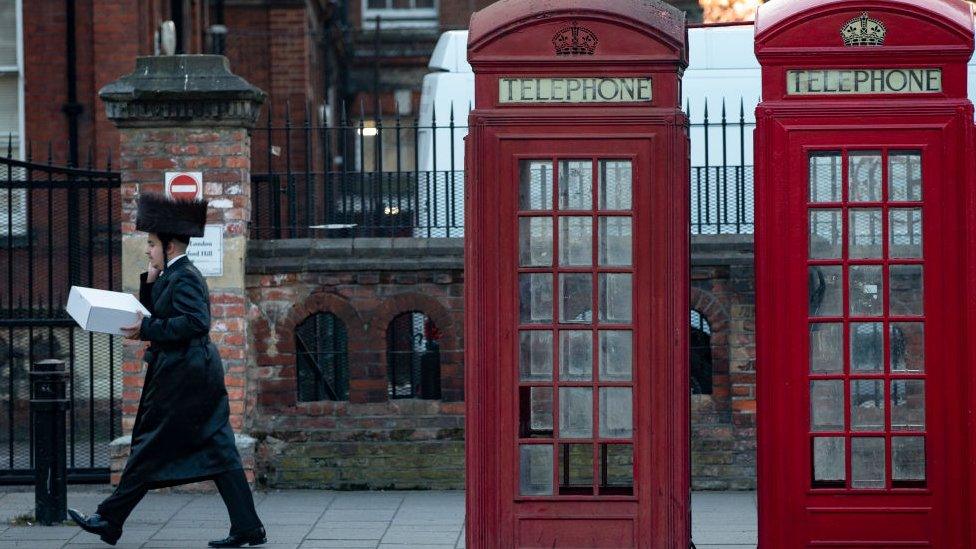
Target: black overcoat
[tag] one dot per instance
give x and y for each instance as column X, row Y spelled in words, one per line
column 182, row 430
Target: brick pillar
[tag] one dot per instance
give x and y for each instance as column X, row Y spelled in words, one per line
column 188, row 112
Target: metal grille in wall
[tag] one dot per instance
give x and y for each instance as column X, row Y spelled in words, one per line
column 322, row 358
column 413, row 357
column 59, row 227
column 700, row 354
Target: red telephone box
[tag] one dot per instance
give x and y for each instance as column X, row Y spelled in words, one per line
column 577, row 277
column 864, row 149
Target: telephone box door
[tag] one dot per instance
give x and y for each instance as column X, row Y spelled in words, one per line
column 579, row 370
column 867, row 411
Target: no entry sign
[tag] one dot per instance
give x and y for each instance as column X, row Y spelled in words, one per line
column 184, row 185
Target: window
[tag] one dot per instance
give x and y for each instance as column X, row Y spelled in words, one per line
column 576, row 336
column 322, row 359
column 413, row 357
column 701, row 355
column 867, row 370
column 11, row 115
column 400, row 13
column 10, row 71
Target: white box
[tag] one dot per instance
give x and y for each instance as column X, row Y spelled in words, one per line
column 103, row 311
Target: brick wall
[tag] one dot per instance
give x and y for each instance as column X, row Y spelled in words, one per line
column 107, row 38
column 723, row 426
column 723, row 423
column 368, row 441
column 456, row 13
column 373, row 442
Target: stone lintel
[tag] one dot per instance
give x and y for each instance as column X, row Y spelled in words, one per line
column 419, row 254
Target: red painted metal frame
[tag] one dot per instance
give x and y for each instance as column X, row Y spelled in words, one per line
column 805, row 34
column 511, row 38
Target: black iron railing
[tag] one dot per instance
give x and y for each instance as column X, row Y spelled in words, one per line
column 399, row 176
column 60, row 227
column 377, row 176
column 722, row 199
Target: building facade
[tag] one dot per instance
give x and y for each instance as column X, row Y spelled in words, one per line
column 356, row 379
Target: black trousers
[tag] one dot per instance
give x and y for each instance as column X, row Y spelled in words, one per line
column 232, row 486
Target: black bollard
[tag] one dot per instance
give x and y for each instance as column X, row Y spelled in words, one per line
column 48, row 404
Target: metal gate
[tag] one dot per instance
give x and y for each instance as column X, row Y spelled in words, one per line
column 59, row 227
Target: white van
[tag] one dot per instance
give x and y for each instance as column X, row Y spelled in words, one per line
column 448, row 94
column 723, row 71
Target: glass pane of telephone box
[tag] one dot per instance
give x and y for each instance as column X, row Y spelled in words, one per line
column 575, row 469
column 905, row 176
column 867, row 290
column 616, row 412
column 616, row 355
column 575, row 355
column 575, row 184
column 827, row 405
column 907, row 405
column 576, row 298
column 535, row 185
column 905, row 233
column 864, row 176
column 867, row 347
column 615, row 241
column 868, row 464
column 616, row 182
column 536, row 412
column 575, row 241
column 867, row 405
column 535, row 298
column 908, row 461
column 907, row 342
column 616, row 470
column 575, row 412
column 826, row 234
column 616, row 298
column 826, row 175
column 535, row 356
column 535, row 470
column 535, row 241
column 865, row 234
column 826, row 291
column 829, row 460
column 826, row 348
column 907, row 296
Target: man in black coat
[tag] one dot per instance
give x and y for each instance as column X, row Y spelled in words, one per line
column 182, row 432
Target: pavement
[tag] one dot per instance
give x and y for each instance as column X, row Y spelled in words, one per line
column 315, row 519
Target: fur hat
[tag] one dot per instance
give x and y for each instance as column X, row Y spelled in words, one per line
column 159, row 214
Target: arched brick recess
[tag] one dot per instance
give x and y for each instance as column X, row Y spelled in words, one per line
column 713, row 440
column 717, row 316
column 451, row 348
column 276, row 365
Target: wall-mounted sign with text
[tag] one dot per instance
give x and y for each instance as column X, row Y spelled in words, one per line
column 207, row 252
column 863, row 81
column 596, row 89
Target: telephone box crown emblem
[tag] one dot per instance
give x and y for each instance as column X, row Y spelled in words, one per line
column 864, row 31
column 575, row 40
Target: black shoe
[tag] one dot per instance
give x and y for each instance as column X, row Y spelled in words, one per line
column 251, row 537
column 95, row 524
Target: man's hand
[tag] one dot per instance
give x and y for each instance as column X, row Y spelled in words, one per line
column 132, row 332
column 152, row 273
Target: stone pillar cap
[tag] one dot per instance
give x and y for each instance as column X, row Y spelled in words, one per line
column 183, row 90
